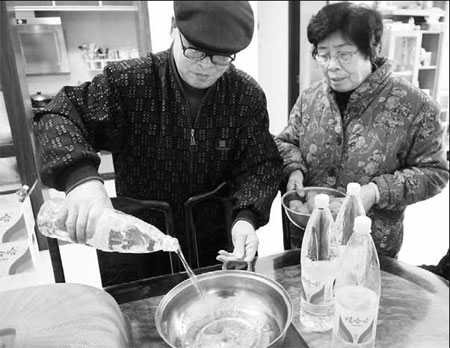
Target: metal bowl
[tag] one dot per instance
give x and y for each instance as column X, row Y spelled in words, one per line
column 241, row 309
column 299, row 219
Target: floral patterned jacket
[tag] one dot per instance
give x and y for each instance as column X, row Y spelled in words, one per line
column 390, row 134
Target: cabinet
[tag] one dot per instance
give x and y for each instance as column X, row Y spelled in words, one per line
column 416, row 55
column 18, row 109
column 120, row 26
column 414, row 38
column 74, row 5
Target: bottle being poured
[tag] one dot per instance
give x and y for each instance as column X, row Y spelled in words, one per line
column 115, row 230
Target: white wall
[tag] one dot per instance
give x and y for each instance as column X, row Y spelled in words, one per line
column 273, row 60
column 160, row 14
column 247, row 60
column 309, row 72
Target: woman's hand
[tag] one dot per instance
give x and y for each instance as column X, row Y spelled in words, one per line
column 245, row 243
column 85, row 204
column 369, row 196
column 295, row 182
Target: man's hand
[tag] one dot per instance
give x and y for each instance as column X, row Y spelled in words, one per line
column 85, row 204
column 295, row 182
column 245, row 243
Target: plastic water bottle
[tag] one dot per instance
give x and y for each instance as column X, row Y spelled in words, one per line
column 351, row 207
column 318, row 268
column 357, row 290
column 115, row 230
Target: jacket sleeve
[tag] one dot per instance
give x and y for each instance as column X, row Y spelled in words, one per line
column 288, row 142
column 256, row 172
column 426, row 171
column 75, row 125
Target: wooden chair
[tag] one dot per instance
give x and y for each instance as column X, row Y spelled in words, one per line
column 116, row 268
column 219, row 194
column 114, row 263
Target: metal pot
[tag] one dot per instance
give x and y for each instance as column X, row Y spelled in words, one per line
column 39, row 100
column 241, row 309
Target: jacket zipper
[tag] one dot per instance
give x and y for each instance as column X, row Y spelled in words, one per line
column 192, row 137
column 192, row 141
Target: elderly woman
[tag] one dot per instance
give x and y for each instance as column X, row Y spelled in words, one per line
column 363, row 124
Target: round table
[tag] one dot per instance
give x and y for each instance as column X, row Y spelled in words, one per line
column 414, row 305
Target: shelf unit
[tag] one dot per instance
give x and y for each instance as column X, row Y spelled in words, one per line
column 412, row 12
column 416, row 51
column 13, row 82
column 74, row 5
column 19, row 113
column 7, row 150
column 404, row 48
column 99, row 64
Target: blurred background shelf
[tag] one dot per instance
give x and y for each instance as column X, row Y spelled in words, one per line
column 74, row 5
column 7, row 150
column 416, row 58
column 99, row 64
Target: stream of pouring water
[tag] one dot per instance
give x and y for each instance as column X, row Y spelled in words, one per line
column 191, row 274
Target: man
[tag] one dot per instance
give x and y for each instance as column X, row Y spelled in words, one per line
column 178, row 123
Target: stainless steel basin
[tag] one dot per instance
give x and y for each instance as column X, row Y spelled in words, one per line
column 241, row 309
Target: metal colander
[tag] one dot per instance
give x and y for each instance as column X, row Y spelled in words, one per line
column 62, row 315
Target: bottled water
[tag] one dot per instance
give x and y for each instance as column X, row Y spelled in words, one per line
column 318, row 267
column 351, row 207
column 357, row 290
column 115, row 231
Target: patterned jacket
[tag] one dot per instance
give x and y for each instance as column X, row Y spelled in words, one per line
column 390, row 134
column 137, row 110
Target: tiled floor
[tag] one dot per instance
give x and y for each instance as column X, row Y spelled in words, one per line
column 426, row 241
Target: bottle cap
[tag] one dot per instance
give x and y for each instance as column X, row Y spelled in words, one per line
column 362, row 224
column 322, row 201
column 353, row 189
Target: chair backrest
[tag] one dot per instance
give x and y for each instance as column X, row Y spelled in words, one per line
column 116, row 268
column 132, row 206
column 108, row 260
column 220, row 194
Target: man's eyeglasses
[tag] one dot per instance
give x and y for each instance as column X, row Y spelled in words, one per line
column 341, row 57
column 195, row 54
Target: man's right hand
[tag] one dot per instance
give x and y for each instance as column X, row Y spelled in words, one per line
column 295, row 182
column 85, row 204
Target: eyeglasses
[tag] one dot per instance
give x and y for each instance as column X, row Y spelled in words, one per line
column 341, row 57
column 195, row 54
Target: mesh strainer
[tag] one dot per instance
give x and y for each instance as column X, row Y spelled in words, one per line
column 63, row 316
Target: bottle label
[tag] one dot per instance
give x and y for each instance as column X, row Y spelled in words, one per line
column 355, row 319
column 313, row 290
column 15, row 257
column 317, row 281
column 356, row 329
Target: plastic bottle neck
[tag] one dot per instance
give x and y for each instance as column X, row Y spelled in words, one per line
column 362, row 232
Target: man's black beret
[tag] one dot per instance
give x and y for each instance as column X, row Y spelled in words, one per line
column 215, row 26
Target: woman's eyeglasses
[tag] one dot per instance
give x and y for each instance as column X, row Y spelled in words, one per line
column 195, row 54
column 341, row 57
